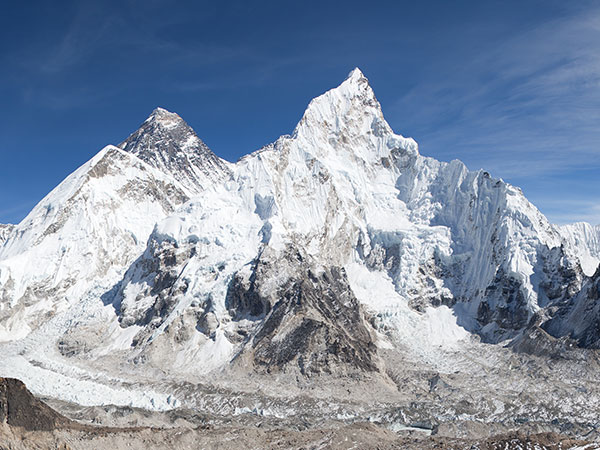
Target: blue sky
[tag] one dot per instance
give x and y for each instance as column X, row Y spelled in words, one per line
column 509, row 86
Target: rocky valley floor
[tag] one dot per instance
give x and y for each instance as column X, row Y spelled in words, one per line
column 476, row 396
column 422, row 394
column 360, row 436
column 28, row 423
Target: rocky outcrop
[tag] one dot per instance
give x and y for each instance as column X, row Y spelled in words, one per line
column 158, row 268
column 579, row 316
column 19, row 408
column 536, row 341
column 312, row 320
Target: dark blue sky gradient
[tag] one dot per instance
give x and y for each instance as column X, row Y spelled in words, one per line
column 512, row 87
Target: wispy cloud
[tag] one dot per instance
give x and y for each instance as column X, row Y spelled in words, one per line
column 89, row 29
column 527, row 105
column 565, row 211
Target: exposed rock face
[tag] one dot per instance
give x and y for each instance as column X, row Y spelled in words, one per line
column 312, row 320
column 167, row 143
column 578, row 317
column 158, row 268
column 536, row 341
column 19, row 408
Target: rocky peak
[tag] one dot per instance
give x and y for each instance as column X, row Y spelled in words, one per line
column 312, row 323
column 166, row 119
column 167, row 142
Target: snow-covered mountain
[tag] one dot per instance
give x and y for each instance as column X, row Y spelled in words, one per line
column 318, row 254
column 350, row 193
column 83, row 233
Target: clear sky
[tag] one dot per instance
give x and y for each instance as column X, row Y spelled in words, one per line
column 509, row 86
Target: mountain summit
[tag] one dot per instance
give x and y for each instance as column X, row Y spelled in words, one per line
column 337, row 262
column 347, row 115
column 168, row 143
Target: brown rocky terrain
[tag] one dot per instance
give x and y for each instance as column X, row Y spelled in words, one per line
column 19, row 408
column 28, row 423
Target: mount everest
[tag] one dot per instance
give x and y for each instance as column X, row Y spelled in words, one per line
column 337, row 252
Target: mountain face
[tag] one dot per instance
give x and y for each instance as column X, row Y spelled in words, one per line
column 336, row 251
column 579, row 317
column 83, row 233
column 348, row 190
column 167, row 143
